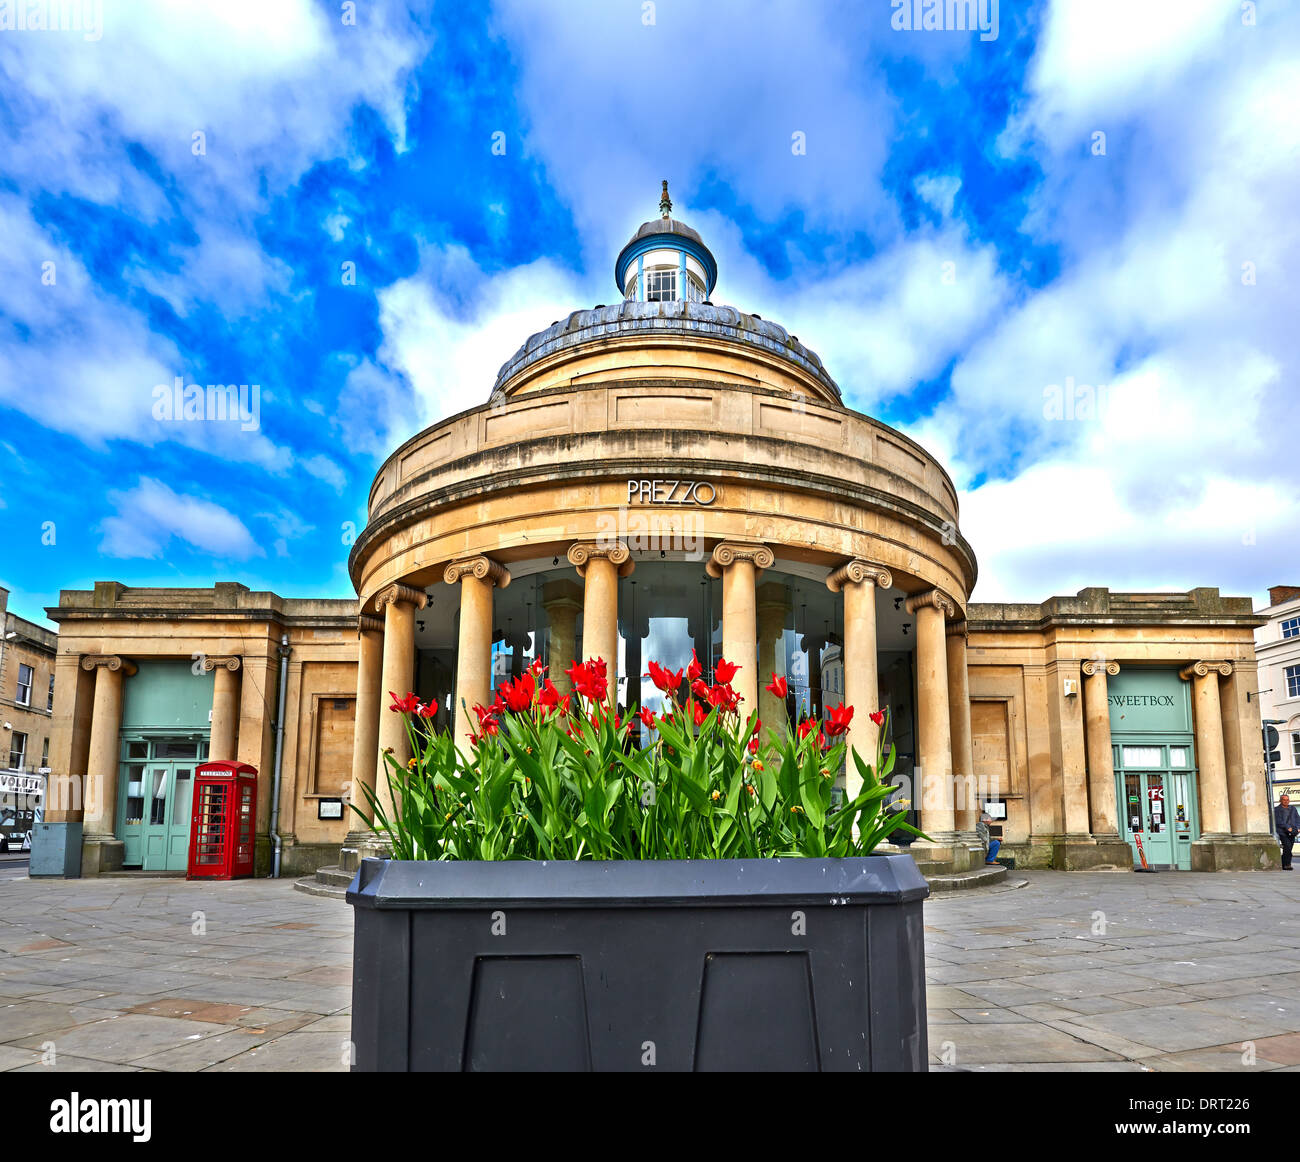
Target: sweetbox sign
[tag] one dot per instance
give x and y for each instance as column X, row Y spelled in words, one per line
column 1144, row 700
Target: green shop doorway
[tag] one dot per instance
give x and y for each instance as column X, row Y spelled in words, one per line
column 156, row 794
column 1155, row 774
column 166, row 716
column 1158, row 803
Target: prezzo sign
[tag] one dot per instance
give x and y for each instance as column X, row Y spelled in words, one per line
column 671, row 492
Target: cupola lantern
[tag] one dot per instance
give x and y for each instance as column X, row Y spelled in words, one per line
column 665, row 261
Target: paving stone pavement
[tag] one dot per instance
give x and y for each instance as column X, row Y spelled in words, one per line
column 1103, row 971
column 1179, row 972
column 138, row 973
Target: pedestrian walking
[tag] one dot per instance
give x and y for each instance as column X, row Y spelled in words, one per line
column 1288, row 826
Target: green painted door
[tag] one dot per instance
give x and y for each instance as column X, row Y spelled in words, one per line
column 165, row 832
column 1157, row 803
column 156, row 796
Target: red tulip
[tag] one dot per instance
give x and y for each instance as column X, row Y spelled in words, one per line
column 549, row 698
column 694, row 670
column 700, row 714
column 776, row 686
column 878, row 717
column 840, row 717
column 805, row 726
column 724, row 671
column 647, row 718
column 758, row 725
column 408, row 705
column 669, row 681
column 519, row 693
column 725, row 697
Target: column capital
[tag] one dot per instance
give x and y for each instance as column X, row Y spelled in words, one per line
column 1202, row 669
column 483, row 568
column 729, row 552
column 392, row 594
column 109, row 662
column 941, row 601
column 858, row 572
column 956, row 628
column 229, row 662
column 366, row 623
column 615, row 552
column 1095, row 666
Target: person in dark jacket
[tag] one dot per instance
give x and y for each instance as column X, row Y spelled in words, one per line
column 1288, row 825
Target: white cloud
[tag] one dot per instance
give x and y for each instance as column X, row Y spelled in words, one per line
column 447, row 331
column 1178, row 297
column 271, row 87
column 151, row 516
column 938, row 191
column 323, row 468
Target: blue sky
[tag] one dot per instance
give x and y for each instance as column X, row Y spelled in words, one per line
column 951, row 241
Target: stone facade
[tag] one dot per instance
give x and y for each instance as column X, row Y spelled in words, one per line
column 26, row 715
column 677, row 476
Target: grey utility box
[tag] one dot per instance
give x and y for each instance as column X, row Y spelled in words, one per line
column 763, row 964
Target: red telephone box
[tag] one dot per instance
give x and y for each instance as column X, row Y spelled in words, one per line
column 222, row 821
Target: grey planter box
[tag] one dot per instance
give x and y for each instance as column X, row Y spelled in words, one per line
column 790, row 964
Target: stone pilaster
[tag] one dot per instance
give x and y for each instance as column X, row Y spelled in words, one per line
column 477, row 578
column 600, row 564
column 225, row 704
column 361, row 840
column 562, row 601
column 857, row 581
column 740, row 565
column 101, row 849
column 931, row 609
column 1217, row 849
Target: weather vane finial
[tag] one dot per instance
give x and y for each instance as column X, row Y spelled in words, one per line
column 665, row 202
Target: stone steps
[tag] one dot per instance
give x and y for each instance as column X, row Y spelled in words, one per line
column 328, row 881
column 977, row 877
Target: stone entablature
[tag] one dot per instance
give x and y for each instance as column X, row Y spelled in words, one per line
column 844, row 484
column 643, row 421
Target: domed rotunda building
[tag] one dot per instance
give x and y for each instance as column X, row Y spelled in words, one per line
column 665, row 475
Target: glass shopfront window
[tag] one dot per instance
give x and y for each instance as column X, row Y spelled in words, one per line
column 666, row 609
column 669, row 608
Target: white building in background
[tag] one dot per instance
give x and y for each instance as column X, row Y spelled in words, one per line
column 1277, row 646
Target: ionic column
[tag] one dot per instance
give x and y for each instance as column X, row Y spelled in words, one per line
column 1212, row 781
column 934, row 724
column 478, row 577
column 773, row 610
column 1103, row 810
column 369, row 711
column 967, row 794
column 857, row 581
column 103, row 760
column 600, row 564
column 740, row 566
column 1248, row 805
column 398, row 604
column 562, row 601
column 225, row 705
